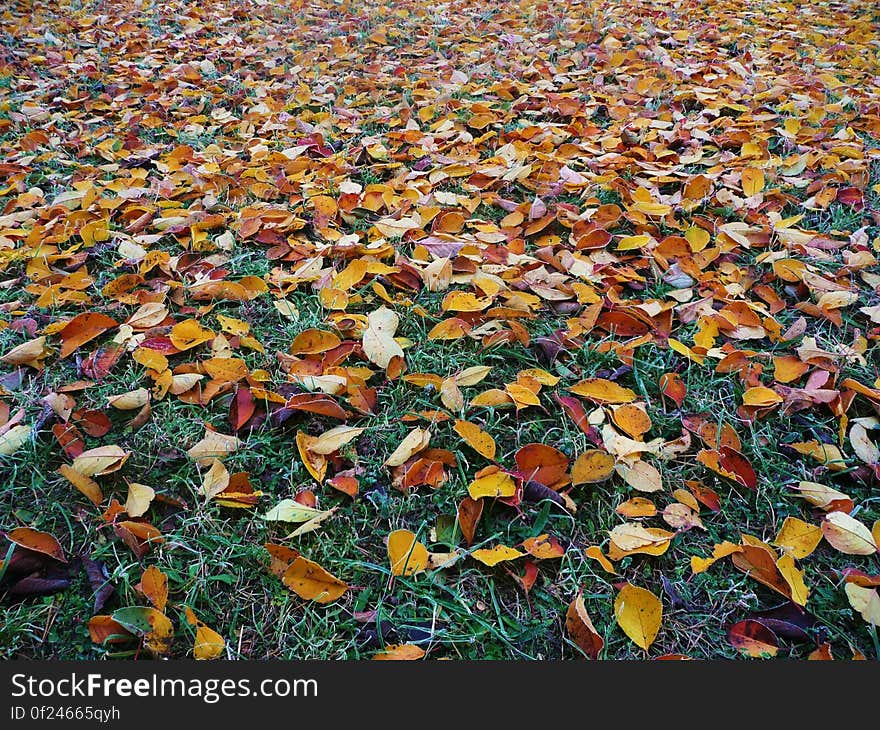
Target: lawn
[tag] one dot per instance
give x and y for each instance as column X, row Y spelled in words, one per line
column 461, row 330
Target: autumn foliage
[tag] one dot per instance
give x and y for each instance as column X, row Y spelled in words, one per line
column 587, row 291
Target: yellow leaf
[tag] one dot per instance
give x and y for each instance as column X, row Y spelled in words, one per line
column 226, row 369
column 495, row 484
column 84, row 484
column 866, row 601
column 313, row 524
column 821, row 496
column 406, row 554
column 761, row 397
column 594, row 552
column 415, row 441
column 351, row 276
column 31, row 353
column 827, row 454
column 632, row 419
column 215, row 481
column 639, row 613
column 697, row 237
column 208, row 643
column 450, row 395
column 522, row 397
column 798, row 538
column 213, row 445
column 683, row 349
column 494, row 397
column 131, row 400
column 722, row 550
column 653, row 209
column 189, row 333
column 460, row 301
column 794, row 578
column 630, row 243
column 14, row 439
column 315, row 464
column 100, row 460
column 334, row 439
column 476, row 438
column 641, row 476
column 592, row 466
column 378, row 342
column 289, row 510
column 495, row 555
column 603, row 391
column 151, row 359
column 472, row 375
column 542, row 376
column 632, row 535
column 286, row 309
column 636, row 507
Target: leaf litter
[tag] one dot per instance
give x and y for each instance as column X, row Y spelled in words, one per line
column 564, row 275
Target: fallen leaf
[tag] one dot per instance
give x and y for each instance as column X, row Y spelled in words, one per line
column 139, row 498
column 415, row 441
column 753, row 639
column 591, row 467
column 400, row 652
column 476, row 438
column 495, row 555
column 100, row 460
column 39, row 542
column 406, row 554
column 311, row 582
column 639, row 613
column 378, row 340
column 847, row 534
column 493, row 484
column 798, row 538
column 581, row 630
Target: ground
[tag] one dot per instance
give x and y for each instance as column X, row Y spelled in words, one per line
column 644, row 224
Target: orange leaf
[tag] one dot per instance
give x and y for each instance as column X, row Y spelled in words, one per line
column 83, row 328
column 469, row 512
column 39, row 542
column 154, row 585
column 544, row 464
column 311, row 582
column 581, row 630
